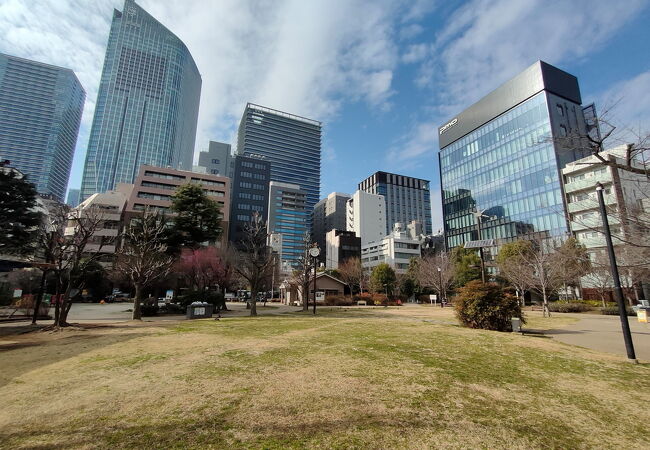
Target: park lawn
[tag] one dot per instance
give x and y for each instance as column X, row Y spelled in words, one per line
column 364, row 378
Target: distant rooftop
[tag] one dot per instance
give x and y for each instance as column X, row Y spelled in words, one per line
column 282, row 113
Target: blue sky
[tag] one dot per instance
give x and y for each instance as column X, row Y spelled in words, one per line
column 381, row 75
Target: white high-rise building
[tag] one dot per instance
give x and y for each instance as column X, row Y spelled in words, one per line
column 397, row 249
column 366, row 216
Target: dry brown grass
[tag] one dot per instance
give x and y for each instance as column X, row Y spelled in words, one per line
column 365, row 378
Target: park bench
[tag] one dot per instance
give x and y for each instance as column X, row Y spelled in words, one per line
column 362, row 302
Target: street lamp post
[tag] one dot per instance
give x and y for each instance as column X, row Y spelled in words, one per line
column 618, row 293
column 314, row 252
column 477, row 215
column 440, row 281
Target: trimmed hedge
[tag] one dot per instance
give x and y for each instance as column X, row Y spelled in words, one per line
column 568, row 307
column 339, row 300
column 613, row 311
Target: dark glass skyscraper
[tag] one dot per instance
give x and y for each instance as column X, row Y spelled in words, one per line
column 503, row 156
column 292, row 144
column 147, row 105
column 250, row 194
column 407, row 199
column 40, row 114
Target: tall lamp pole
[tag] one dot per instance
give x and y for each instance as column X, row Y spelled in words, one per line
column 440, row 281
column 477, row 215
column 618, row 292
column 314, row 252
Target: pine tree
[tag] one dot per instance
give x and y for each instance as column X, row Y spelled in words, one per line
column 197, row 220
column 18, row 220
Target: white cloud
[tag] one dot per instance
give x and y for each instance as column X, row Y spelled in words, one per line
column 415, row 53
column 410, row 31
column 487, row 42
column 626, row 105
column 308, row 58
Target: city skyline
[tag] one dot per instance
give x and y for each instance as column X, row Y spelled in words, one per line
column 400, row 75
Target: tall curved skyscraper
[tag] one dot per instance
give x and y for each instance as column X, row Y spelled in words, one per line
column 147, row 105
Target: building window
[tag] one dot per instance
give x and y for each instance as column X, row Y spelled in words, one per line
column 560, row 110
column 215, row 161
column 563, row 131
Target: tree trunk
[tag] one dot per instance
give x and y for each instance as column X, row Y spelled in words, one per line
column 57, row 306
column 63, row 312
column 253, row 303
column 137, row 314
column 39, row 298
column 305, row 297
column 547, row 311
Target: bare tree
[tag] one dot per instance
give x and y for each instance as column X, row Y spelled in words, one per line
column 352, row 273
column 143, row 258
column 599, row 277
column 511, row 262
column 539, row 267
column 437, row 272
column 74, row 253
column 602, row 132
column 50, row 245
column 302, row 276
column 255, row 259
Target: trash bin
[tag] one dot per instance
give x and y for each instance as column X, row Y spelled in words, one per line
column 516, row 324
column 199, row 310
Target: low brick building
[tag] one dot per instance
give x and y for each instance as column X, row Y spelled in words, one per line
column 154, row 187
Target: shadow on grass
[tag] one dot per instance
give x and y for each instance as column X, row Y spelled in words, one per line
column 36, row 350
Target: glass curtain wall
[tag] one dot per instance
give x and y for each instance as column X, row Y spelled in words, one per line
column 508, row 169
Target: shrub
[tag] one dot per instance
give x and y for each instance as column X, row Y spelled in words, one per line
column 486, row 306
column 613, row 311
column 149, row 309
column 338, row 300
column 568, row 307
column 5, row 294
column 594, row 303
column 212, row 297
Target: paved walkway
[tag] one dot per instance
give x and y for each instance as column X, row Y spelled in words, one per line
column 603, row 333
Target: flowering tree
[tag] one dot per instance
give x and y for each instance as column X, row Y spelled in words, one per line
column 202, row 267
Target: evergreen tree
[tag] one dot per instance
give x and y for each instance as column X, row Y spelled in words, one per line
column 467, row 264
column 383, row 279
column 19, row 221
column 197, row 220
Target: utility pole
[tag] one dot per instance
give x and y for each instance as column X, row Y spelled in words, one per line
column 618, row 292
column 477, row 215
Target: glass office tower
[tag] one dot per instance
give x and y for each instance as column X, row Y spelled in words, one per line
column 502, row 156
column 292, row 144
column 288, row 217
column 147, row 105
column 40, row 114
column 407, row 199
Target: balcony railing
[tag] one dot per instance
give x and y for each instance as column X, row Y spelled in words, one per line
column 591, row 203
column 588, row 183
column 592, row 223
